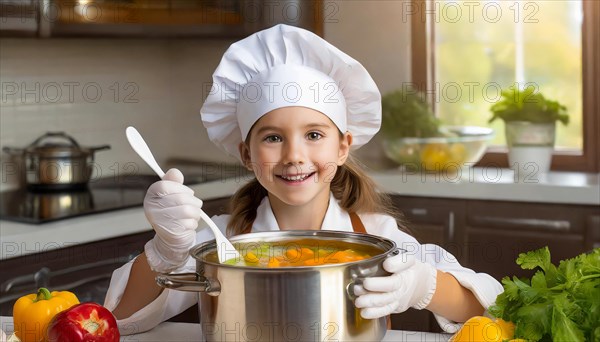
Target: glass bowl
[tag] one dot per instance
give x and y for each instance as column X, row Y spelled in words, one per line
column 462, row 147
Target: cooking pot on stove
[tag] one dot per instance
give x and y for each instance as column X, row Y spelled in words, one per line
column 306, row 303
column 58, row 164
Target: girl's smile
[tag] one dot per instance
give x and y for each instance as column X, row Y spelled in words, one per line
column 293, row 179
column 294, row 153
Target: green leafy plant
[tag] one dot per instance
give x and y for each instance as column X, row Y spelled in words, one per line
column 528, row 105
column 558, row 303
column 405, row 113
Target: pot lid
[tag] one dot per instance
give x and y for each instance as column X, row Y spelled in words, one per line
column 52, row 150
column 67, row 148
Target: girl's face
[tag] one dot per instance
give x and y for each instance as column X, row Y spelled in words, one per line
column 294, row 153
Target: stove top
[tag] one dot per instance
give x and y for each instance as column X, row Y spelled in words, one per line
column 101, row 195
column 105, row 194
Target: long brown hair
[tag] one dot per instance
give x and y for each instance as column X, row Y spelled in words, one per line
column 355, row 190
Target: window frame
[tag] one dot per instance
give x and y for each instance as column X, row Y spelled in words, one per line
column 422, row 73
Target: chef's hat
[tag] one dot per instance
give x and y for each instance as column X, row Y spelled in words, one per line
column 287, row 66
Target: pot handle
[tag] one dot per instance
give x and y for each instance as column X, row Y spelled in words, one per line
column 356, row 280
column 54, row 134
column 100, row 148
column 13, row 151
column 192, row 282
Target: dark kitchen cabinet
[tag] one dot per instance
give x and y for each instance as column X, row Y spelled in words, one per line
column 496, row 232
column 487, row 236
column 84, row 269
column 217, row 206
column 433, row 220
column 592, row 239
column 429, row 220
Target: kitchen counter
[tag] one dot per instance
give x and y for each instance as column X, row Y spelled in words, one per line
column 495, row 184
column 19, row 239
column 174, row 332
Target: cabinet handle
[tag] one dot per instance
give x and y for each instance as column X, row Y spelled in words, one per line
column 42, row 277
column 552, row 225
column 9, row 297
column 451, row 226
column 418, row 211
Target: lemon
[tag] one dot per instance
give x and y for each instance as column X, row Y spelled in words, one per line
column 484, row 329
column 435, row 156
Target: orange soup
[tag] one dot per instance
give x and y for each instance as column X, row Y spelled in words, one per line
column 298, row 252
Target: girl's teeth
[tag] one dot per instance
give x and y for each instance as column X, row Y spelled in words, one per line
column 294, row 178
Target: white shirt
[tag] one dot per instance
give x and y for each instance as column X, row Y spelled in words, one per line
column 172, row 302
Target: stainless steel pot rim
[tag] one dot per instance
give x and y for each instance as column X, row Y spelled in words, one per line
column 54, row 151
column 69, row 148
column 387, row 246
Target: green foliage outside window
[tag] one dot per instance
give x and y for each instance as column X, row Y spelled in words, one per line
column 476, row 56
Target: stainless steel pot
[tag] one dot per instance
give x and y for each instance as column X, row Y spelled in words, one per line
column 56, row 165
column 240, row 303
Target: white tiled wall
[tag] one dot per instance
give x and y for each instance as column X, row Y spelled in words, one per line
column 157, row 85
column 94, row 88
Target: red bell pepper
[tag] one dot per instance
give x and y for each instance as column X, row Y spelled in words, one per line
column 89, row 322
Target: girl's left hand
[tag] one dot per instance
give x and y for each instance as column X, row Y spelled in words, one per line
column 412, row 284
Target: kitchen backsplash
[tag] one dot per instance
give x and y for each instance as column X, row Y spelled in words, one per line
column 94, row 88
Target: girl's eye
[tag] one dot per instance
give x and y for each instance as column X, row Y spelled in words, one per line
column 273, row 139
column 314, row 136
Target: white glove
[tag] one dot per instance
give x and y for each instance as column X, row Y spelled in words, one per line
column 412, row 284
column 173, row 212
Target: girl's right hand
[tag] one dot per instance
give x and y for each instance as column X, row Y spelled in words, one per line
column 173, row 211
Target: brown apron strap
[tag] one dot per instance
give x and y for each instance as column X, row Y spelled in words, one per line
column 248, row 229
column 357, row 225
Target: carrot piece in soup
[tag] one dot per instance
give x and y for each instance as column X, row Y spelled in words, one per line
column 292, row 254
column 273, row 262
column 306, row 253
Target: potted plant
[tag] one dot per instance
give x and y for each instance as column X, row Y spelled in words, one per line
column 405, row 113
column 530, row 128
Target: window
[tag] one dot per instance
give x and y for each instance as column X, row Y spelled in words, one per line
column 464, row 52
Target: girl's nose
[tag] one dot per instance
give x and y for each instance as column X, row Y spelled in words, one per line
column 293, row 153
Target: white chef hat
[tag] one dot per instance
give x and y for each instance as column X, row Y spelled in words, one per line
column 287, row 66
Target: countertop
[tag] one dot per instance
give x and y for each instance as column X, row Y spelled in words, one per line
column 478, row 184
column 176, row 332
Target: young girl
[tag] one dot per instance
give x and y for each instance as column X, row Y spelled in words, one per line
column 290, row 106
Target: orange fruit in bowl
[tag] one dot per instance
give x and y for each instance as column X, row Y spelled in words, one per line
column 484, row 329
column 434, row 157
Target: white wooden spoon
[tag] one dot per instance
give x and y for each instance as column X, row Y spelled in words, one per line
column 225, row 249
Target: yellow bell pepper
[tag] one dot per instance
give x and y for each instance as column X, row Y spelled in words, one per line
column 33, row 312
